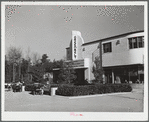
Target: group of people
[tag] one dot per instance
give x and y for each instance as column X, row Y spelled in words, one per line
column 137, row 81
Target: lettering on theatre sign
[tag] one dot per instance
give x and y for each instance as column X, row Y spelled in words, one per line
column 75, row 48
column 78, row 63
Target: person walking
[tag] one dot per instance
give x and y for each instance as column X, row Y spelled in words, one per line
column 41, row 90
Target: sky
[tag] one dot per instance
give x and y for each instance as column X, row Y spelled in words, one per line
column 47, row 29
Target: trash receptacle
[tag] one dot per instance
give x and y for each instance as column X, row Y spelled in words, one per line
column 53, row 91
column 23, row 88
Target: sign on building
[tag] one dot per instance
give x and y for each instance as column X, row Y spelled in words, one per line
column 75, row 50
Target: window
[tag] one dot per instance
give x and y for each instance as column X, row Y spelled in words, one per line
column 107, row 47
column 136, row 42
column 141, row 42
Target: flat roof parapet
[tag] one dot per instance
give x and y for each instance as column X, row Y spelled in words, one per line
column 117, row 36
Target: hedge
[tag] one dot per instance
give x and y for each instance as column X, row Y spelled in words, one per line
column 54, row 85
column 72, row 90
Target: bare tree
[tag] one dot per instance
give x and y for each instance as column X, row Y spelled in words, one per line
column 14, row 55
column 28, row 57
column 35, row 57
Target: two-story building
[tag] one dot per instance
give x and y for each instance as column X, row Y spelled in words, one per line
column 122, row 57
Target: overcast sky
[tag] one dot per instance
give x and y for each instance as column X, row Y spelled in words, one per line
column 46, row 29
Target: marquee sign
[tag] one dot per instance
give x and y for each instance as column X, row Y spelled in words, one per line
column 77, row 63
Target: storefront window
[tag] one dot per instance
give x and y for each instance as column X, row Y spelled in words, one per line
column 141, row 74
column 133, row 74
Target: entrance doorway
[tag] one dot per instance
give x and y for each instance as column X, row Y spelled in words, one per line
column 108, row 76
column 80, row 76
column 119, row 75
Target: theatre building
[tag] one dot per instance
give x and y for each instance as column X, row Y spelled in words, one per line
column 122, row 57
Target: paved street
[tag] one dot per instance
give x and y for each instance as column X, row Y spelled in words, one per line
column 119, row 102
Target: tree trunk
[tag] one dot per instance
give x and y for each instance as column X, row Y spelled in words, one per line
column 19, row 71
column 28, row 71
column 31, row 78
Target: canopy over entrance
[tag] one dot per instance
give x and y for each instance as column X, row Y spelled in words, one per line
column 78, row 65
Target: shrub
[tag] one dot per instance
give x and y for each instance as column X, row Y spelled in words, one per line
column 73, row 90
column 65, row 90
column 85, row 82
column 97, row 70
column 67, row 73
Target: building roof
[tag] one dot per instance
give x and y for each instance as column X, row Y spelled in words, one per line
column 112, row 37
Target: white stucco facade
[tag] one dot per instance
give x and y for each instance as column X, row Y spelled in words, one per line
column 120, row 54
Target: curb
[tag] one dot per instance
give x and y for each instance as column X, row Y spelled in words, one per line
column 99, row 95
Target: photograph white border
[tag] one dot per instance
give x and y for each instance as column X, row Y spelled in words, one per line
column 65, row 116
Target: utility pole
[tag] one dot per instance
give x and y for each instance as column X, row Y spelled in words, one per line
column 13, row 70
column 100, row 52
column 19, row 71
column 13, row 73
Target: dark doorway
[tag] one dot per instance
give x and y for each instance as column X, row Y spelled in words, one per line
column 119, row 75
column 108, row 76
column 80, row 76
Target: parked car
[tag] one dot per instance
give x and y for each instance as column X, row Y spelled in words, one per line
column 17, row 87
column 8, row 86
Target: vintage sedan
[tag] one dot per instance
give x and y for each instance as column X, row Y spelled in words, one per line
column 17, row 87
